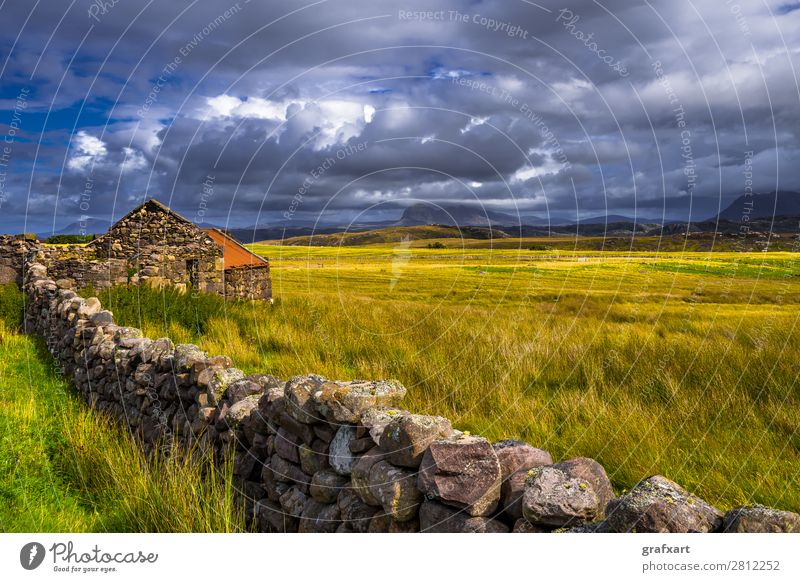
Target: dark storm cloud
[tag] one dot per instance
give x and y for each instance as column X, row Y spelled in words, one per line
column 583, row 107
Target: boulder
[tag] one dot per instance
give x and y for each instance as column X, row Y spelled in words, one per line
column 286, row 445
column 286, row 472
column 566, row 493
column 293, row 502
column 326, row 486
column 313, row 458
column 515, row 455
column 272, row 517
column 516, row 458
column 89, row 308
column 463, row 472
column 347, row 401
column 406, row 438
column 319, row 517
column 396, row 490
column 340, row 457
column 241, row 411
column 354, row 511
column 437, row 518
column 511, row 493
column 360, row 475
column 760, row 519
column 299, row 402
column 375, row 420
column 658, row 505
column 219, row 381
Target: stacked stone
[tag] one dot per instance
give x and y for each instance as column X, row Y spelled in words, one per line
column 315, row 455
column 13, row 252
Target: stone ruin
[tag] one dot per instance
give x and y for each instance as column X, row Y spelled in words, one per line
column 150, row 245
column 316, row 455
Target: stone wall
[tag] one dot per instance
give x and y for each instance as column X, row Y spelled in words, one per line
column 79, row 265
column 248, row 283
column 314, row 455
column 15, row 250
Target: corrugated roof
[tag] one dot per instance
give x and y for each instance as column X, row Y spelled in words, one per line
column 233, row 253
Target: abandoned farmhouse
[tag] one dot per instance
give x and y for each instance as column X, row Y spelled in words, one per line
column 150, row 245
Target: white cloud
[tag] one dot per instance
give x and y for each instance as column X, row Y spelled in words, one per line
column 335, row 120
column 86, row 149
column 134, row 160
column 473, row 123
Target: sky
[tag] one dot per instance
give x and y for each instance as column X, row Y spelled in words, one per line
column 330, row 112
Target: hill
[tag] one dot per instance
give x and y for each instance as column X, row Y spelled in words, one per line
column 454, row 215
column 395, row 234
column 781, row 203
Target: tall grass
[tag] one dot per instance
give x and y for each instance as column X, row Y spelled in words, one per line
column 64, row 467
column 642, row 363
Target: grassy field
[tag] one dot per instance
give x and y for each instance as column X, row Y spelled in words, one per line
column 64, row 468
column 683, row 364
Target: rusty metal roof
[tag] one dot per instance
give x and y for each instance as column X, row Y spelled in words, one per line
column 233, row 253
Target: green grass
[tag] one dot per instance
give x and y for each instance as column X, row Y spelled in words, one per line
column 688, row 372
column 64, row 468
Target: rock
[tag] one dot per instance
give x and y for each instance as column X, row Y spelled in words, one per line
column 272, row 517
column 658, row 505
column 187, row 355
column 406, row 438
column 347, row 401
column 511, row 493
column 241, row 389
column 340, row 458
column 760, row 519
column 593, row 473
column 92, row 306
column 103, row 317
column 287, row 472
column 515, row 455
column 361, row 445
column 396, row 489
column 375, row 421
column 327, row 485
column 312, row 460
column 324, row 432
column 437, row 518
column 293, row 502
column 463, row 472
column 515, row 458
column 360, row 475
column 299, row 402
column 354, row 511
column 286, row 445
column 319, row 517
column 219, row 381
column 553, row 497
column 240, row 411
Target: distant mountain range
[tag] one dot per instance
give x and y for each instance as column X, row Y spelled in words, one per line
column 89, row 226
column 761, row 211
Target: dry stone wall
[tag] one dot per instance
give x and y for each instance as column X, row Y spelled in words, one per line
column 15, row 251
column 315, row 455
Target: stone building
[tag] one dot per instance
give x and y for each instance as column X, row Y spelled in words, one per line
column 156, row 246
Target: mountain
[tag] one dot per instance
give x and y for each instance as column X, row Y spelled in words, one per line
column 761, row 206
column 89, row 226
column 453, row 215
